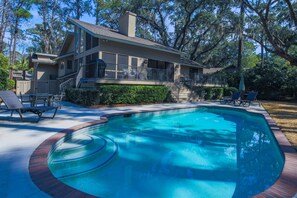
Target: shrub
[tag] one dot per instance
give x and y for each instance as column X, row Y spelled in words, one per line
column 228, row 91
column 218, row 92
column 83, row 96
column 4, row 83
column 208, row 93
column 118, row 94
column 132, row 94
column 10, row 84
column 3, row 79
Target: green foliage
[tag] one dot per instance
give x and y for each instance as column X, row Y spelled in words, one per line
column 76, row 8
column 23, row 13
column 10, row 84
column 3, row 79
column 213, row 93
column 228, row 91
column 271, row 80
column 22, row 64
column 83, row 97
column 118, row 94
column 3, row 62
column 250, row 58
column 273, row 23
column 132, row 94
column 3, row 72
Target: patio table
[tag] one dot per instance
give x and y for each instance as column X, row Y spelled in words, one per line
column 44, row 97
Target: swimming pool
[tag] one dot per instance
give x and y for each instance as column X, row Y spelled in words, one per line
column 199, row 152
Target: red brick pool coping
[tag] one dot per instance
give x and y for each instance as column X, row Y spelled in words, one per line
column 285, row 186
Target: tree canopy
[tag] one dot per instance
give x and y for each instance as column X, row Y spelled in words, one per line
column 207, row 31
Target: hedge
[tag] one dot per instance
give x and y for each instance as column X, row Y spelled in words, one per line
column 83, row 96
column 218, row 92
column 10, row 84
column 118, row 94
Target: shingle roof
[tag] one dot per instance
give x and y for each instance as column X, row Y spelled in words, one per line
column 191, row 63
column 107, row 33
column 67, row 42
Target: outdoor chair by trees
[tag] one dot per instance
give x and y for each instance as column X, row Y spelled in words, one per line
column 252, row 96
column 25, row 98
column 232, row 99
column 56, row 100
column 12, row 103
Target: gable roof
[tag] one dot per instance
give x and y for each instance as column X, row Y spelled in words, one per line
column 42, row 58
column 67, row 42
column 187, row 62
column 110, row 34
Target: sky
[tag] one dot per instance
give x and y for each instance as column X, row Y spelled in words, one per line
column 36, row 19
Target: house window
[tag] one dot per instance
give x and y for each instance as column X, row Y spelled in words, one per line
column 69, row 64
column 76, row 30
column 95, row 42
column 81, row 41
column 90, row 67
column 193, row 73
column 88, row 41
column 76, row 65
column 109, row 59
column 156, row 64
column 88, row 59
column 123, row 61
column 52, row 77
column 152, row 63
column 95, row 56
column 134, row 62
column 62, row 66
column 81, row 60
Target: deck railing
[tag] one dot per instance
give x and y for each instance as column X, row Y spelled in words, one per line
column 202, row 79
column 129, row 72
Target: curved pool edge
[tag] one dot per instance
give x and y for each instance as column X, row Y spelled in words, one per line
column 285, row 186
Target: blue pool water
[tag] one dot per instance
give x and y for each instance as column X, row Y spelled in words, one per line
column 199, row 152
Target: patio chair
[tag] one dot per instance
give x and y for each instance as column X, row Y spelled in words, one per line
column 234, row 98
column 25, row 99
column 252, row 96
column 40, row 99
column 56, row 100
column 12, row 103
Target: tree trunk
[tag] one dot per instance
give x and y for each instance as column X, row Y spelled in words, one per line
column 240, row 42
column 262, row 51
column 97, row 15
column 24, row 74
column 3, row 25
column 78, row 9
column 15, row 33
column 45, row 24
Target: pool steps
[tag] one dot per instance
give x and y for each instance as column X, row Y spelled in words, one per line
column 76, row 153
column 76, row 142
column 82, row 159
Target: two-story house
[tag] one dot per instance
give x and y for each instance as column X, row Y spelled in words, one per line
column 93, row 55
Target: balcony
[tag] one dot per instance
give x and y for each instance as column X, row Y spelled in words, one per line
column 113, row 73
column 204, row 80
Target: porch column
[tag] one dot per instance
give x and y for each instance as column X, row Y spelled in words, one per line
column 176, row 72
column 116, row 66
column 35, row 84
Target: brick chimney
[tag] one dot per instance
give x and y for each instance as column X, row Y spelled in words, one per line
column 128, row 24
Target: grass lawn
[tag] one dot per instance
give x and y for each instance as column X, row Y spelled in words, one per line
column 285, row 115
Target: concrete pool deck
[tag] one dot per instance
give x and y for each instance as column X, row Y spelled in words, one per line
column 18, row 140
